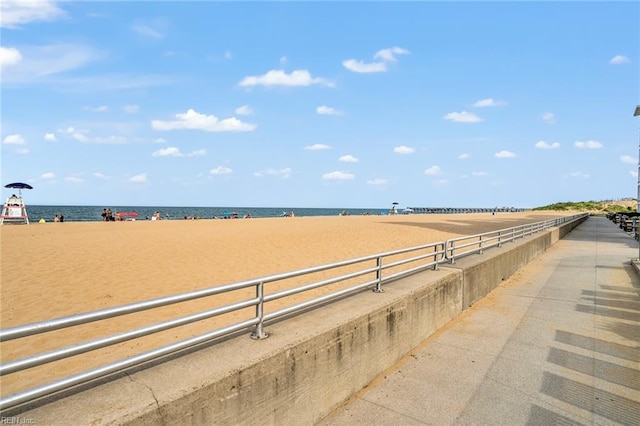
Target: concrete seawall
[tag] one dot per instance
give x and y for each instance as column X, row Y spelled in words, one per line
column 310, row 364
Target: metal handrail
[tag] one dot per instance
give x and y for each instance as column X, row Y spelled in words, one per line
column 456, row 248
column 436, row 254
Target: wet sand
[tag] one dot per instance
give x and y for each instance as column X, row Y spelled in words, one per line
column 52, row 270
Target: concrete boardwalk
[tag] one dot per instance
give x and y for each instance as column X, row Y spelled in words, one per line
column 557, row 343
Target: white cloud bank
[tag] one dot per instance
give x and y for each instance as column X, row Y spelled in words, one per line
column 338, row 175
column 14, row 140
column 628, row 159
column 404, row 150
column 547, row 145
column 325, row 110
column 587, row 144
column 244, row 110
column 317, row 147
column 14, row 13
column 619, row 60
column 384, row 57
column 505, row 154
column 432, row 171
column 462, row 117
column 299, row 78
column 348, row 159
column 9, row 56
column 488, row 102
column 192, row 120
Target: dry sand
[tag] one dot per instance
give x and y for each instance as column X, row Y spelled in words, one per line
column 58, row 269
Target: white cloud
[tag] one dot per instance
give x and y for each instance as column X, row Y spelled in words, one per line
column 463, row 117
column 317, row 147
column 388, row 55
column 14, row 140
column 192, row 120
column 385, row 56
column 48, row 175
column 141, row 178
column 21, row 151
column 160, row 140
column 549, row 117
column 579, row 175
column 42, row 61
column 9, row 56
column 629, row 159
column 325, row 110
column 505, row 154
column 634, row 173
column 432, row 171
column 131, row 109
column 100, row 175
column 283, row 173
column 281, row 78
column 587, row 144
column 404, row 150
column 377, row 182
column 547, row 145
column 479, row 174
column 220, row 170
column 244, row 110
column 83, row 136
column 228, row 55
column 13, row 13
column 283, row 60
column 361, row 67
column 73, row 179
column 51, row 137
column 442, row 182
column 101, row 108
column 488, row 102
column 338, row 175
column 155, row 29
column 464, row 156
column 348, row 159
column 170, row 151
column 619, row 60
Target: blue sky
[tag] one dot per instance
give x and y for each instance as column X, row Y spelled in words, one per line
column 320, row 104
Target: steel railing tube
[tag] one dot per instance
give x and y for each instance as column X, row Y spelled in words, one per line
column 77, row 379
column 46, row 357
column 378, row 287
column 63, row 322
column 259, row 333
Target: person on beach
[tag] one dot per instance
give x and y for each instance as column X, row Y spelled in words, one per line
column 56, row 218
column 104, row 215
column 61, row 218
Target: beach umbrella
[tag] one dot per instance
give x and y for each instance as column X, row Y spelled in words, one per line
column 19, row 186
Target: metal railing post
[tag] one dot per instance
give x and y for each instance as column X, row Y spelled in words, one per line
column 378, row 287
column 480, row 245
column 499, row 239
column 259, row 332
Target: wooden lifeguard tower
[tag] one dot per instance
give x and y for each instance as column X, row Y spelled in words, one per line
column 14, row 210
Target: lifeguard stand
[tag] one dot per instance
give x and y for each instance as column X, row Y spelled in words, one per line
column 14, row 210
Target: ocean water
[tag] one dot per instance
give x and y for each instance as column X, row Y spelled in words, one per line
column 93, row 213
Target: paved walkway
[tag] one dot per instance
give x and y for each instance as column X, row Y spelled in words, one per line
column 557, row 343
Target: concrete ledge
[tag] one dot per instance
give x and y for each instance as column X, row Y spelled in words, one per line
column 310, row 364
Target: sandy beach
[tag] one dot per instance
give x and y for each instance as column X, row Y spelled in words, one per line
column 58, row 269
